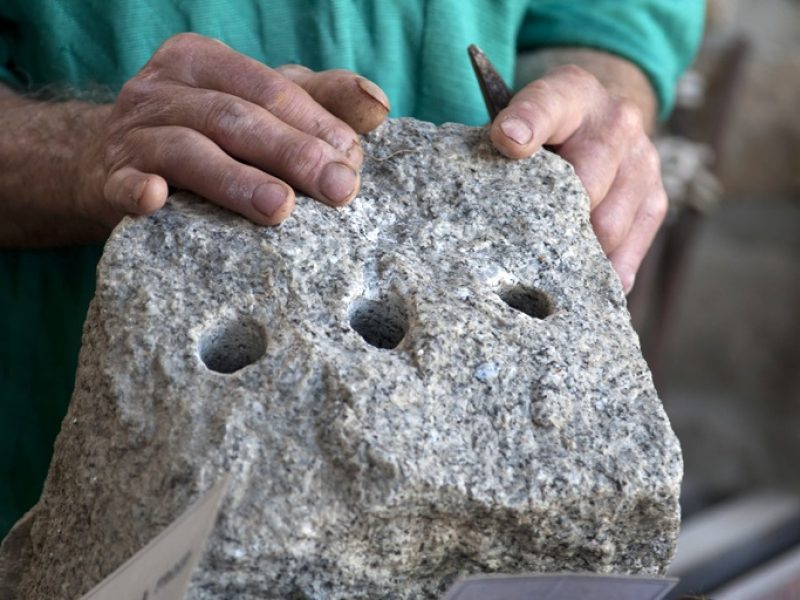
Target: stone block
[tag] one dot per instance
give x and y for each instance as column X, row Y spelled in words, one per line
column 439, row 379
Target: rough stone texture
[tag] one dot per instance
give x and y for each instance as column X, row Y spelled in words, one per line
column 488, row 439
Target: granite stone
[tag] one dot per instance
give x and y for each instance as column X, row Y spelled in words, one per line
column 439, row 379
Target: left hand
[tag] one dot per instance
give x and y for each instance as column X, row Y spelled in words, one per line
column 605, row 138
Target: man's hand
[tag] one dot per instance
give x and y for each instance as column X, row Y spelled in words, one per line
column 198, row 116
column 202, row 117
column 603, row 132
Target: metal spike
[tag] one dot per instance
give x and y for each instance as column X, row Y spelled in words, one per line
column 496, row 94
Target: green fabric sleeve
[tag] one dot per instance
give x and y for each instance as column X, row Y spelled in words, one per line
column 660, row 36
column 5, row 75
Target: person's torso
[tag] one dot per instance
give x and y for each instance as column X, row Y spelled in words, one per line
column 414, row 49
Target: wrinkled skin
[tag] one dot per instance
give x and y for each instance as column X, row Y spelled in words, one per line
column 605, row 138
column 202, row 117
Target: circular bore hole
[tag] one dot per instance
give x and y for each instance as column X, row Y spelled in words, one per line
column 528, row 300
column 382, row 323
column 232, row 346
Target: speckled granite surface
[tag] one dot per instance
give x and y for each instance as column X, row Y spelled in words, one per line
column 439, row 379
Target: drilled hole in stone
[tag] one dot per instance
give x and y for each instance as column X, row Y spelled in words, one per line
column 382, row 323
column 232, row 346
column 528, row 300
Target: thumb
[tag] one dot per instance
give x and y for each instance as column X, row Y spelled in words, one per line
column 355, row 100
column 131, row 192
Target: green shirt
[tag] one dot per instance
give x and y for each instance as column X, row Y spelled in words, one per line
column 414, row 49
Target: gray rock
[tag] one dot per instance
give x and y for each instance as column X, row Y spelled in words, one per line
column 439, row 379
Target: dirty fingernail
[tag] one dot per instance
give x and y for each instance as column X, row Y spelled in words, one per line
column 374, row 91
column 269, row 198
column 338, row 182
column 517, row 130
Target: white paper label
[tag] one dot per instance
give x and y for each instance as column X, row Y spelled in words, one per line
column 561, row 586
column 162, row 569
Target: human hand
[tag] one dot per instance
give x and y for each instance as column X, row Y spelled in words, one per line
column 604, row 137
column 201, row 117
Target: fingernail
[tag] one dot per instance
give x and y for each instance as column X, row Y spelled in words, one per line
column 269, row 197
column 338, row 182
column 517, row 130
column 374, row 91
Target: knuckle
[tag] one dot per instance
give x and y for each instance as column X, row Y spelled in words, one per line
column 573, row 72
column 180, row 43
column 541, row 88
column 170, row 152
column 235, row 186
column 225, row 117
column 275, row 92
column 627, row 117
column 176, row 51
column 536, row 108
column 528, row 106
column 137, row 91
column 609, row 229
column 304, row 158
column 657, row 206
column 577, row 77
column 339, row 135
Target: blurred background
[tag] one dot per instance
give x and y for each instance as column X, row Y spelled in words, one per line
column 717, row 305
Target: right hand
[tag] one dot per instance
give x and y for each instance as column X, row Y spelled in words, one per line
column 202, row 117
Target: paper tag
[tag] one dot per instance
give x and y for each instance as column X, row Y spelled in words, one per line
column 560, row 586
column 162, row 569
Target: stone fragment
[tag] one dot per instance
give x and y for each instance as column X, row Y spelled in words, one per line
column 439, row 379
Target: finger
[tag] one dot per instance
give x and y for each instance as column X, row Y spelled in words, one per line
column 612, row 133
column 596, row 163
column 191, row 161
column 637, row 181
column 257, row 137
column 355, row 100
column 614, row 216
column 131, row 192
column 205, row 63
column 548, row 111
column 628, row 256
